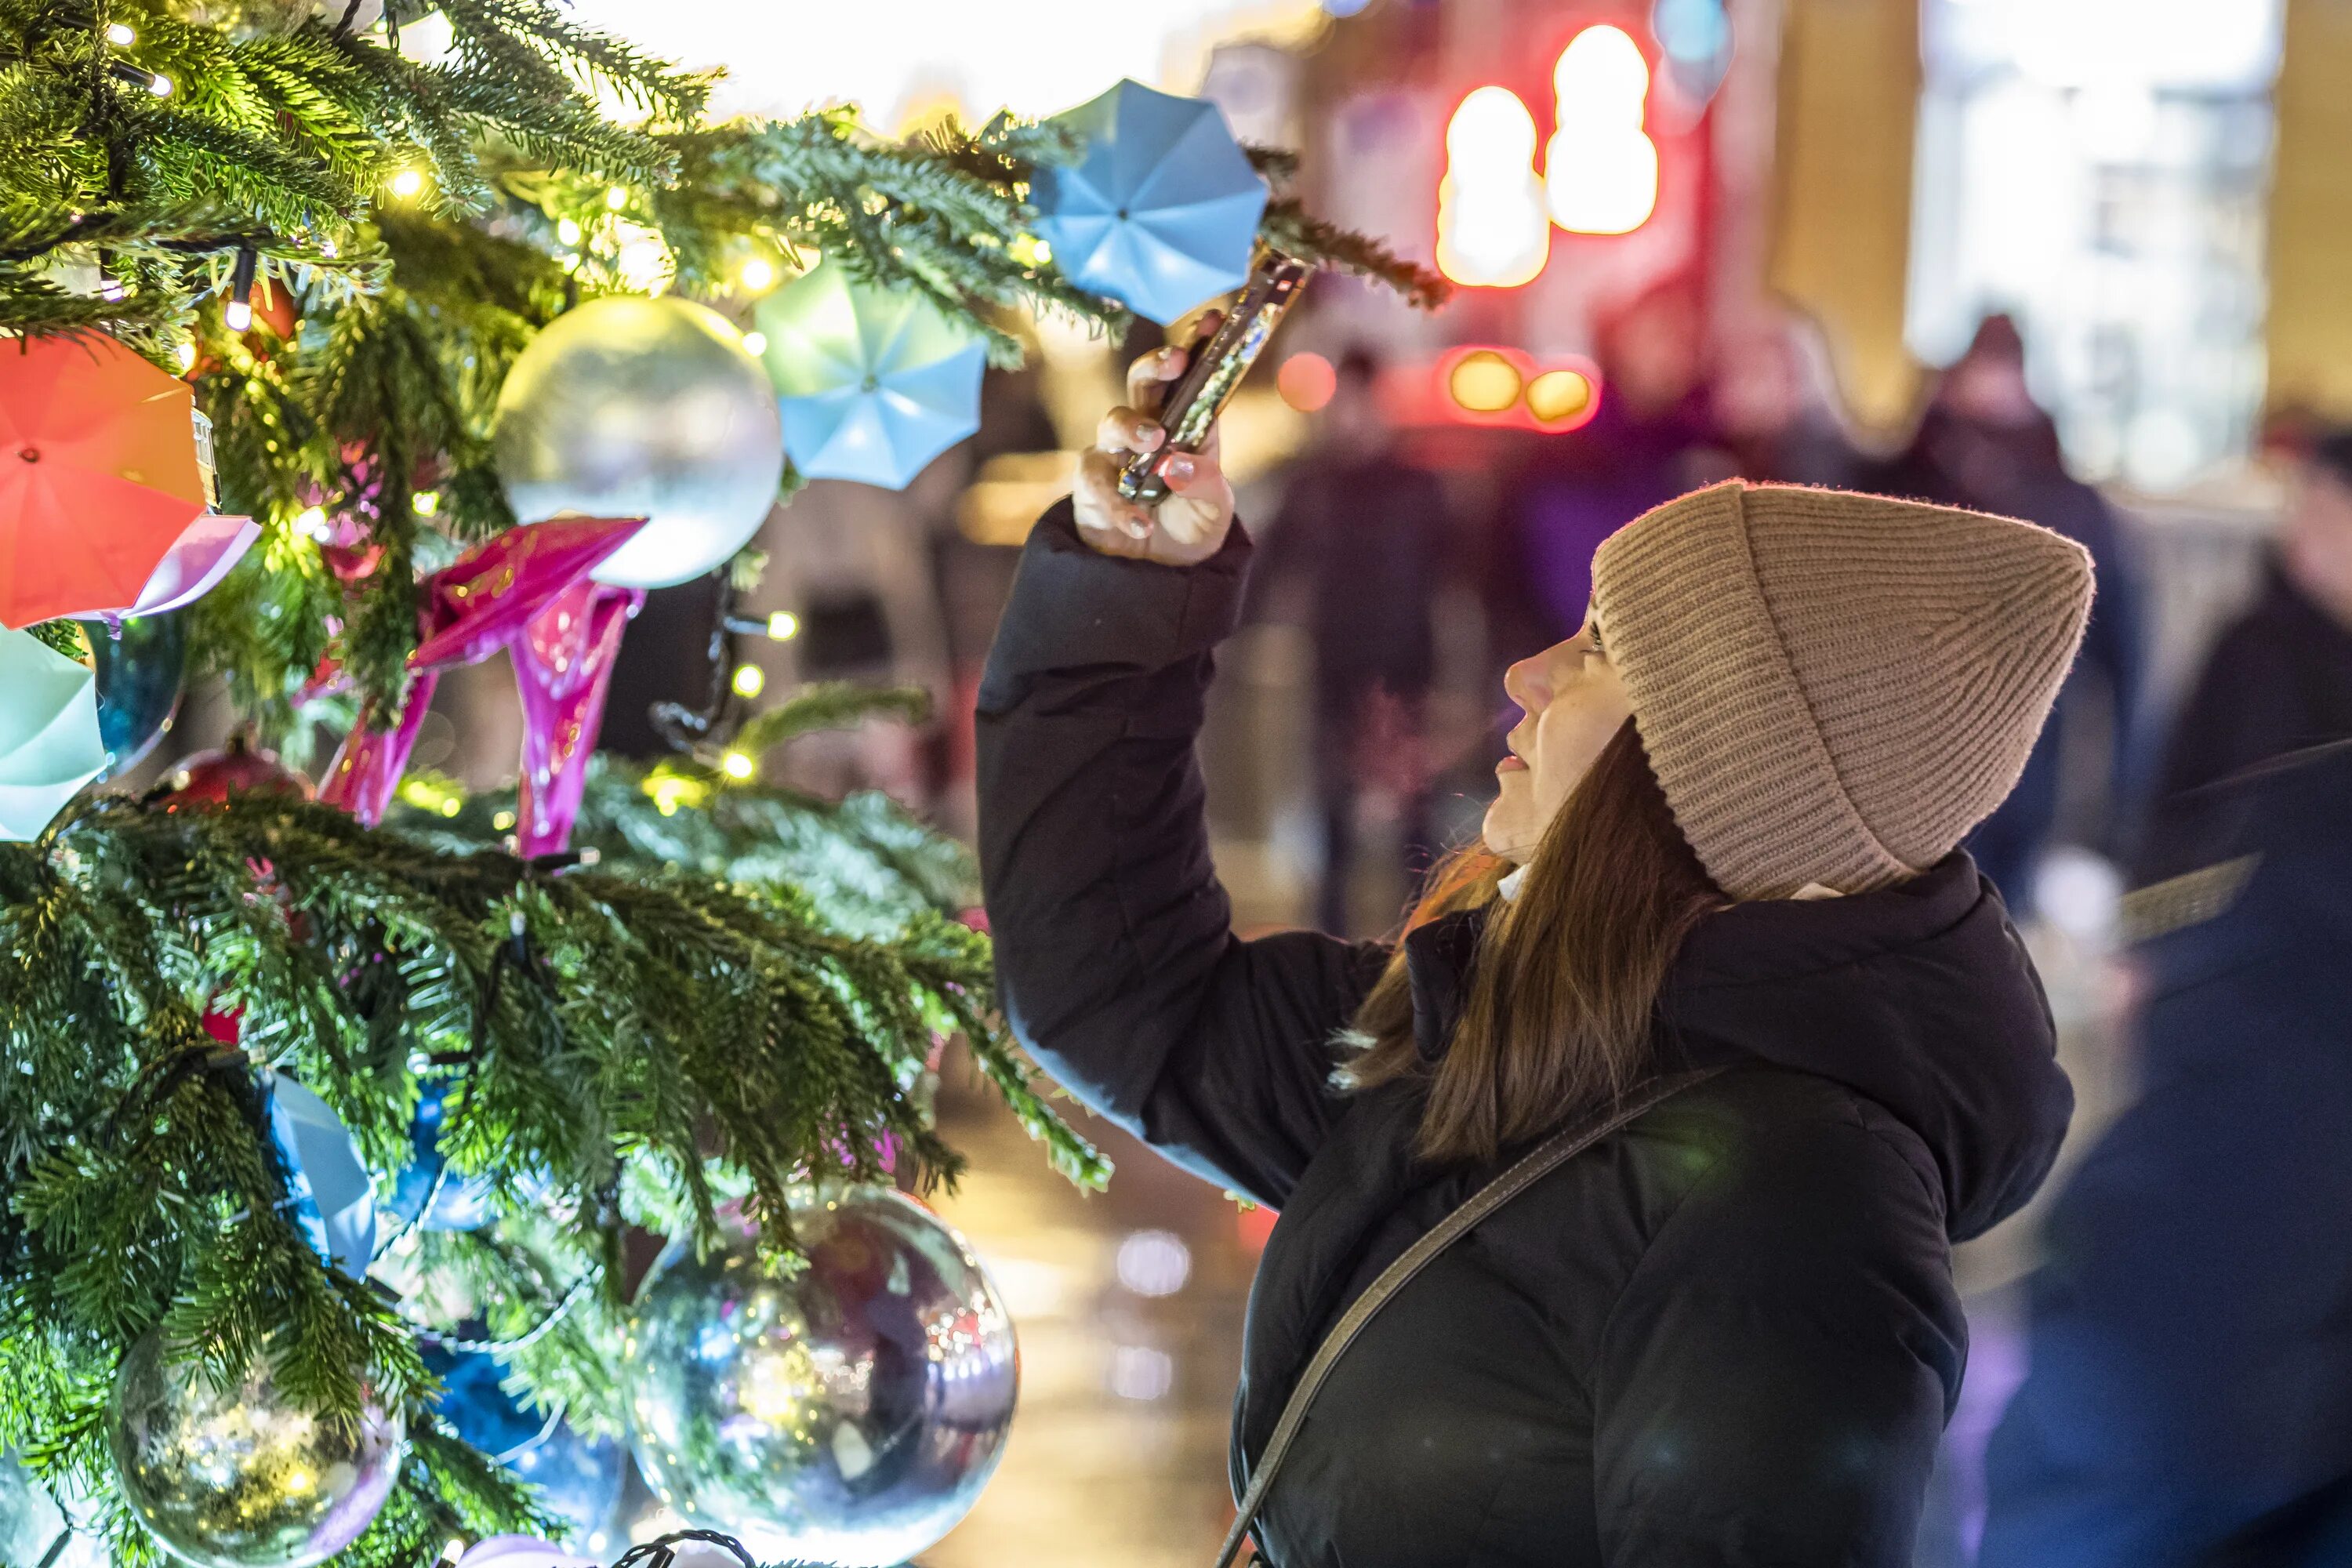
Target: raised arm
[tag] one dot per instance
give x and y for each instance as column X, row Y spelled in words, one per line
column 1115, row 953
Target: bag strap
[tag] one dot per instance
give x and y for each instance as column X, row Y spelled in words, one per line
column 1532, row 1167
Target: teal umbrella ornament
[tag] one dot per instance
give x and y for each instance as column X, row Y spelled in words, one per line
column 1162, row 211
column 872, row 384
column 49, row 745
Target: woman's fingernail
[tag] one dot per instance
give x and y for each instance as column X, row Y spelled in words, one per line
column 1148, row 437
column 1179, row 468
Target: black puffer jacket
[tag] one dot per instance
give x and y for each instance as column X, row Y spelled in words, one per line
column 1726, row 1335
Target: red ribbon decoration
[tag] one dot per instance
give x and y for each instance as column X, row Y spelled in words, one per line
column 526, row 591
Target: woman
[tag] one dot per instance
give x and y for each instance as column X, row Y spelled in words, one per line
column 1726, row 1333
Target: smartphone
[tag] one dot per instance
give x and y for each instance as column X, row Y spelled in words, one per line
column 1216, row 369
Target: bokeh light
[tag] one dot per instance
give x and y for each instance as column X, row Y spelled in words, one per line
column 1307, row 381
column 1484, row 382
column 1558, row 397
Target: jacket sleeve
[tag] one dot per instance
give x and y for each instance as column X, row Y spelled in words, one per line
column 1777, row 1370
column 1116, row 960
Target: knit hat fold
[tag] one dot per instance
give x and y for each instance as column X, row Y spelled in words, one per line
column 1834, row 687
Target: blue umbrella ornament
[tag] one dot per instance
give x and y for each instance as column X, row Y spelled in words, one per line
column 1161, row 213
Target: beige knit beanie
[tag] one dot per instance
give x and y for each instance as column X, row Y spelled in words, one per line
column 1833, row 688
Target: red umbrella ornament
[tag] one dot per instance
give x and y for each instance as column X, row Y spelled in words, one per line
column 99, row 475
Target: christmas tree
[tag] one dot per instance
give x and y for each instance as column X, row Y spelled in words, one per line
column 722, row 992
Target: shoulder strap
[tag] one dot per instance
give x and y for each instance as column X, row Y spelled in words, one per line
column 1541, row 1162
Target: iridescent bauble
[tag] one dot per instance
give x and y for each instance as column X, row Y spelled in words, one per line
column 31, row 1524
column 848, row 1415
column 630, row 407
column 141, row 663
column 210, row 778
column 239, row 1478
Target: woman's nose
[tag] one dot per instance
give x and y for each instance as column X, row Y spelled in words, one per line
column 1524, row 684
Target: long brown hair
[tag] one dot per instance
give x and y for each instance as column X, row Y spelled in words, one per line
column 1558, row 1017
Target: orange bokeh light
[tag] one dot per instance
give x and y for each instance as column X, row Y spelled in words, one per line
column 1307, row 381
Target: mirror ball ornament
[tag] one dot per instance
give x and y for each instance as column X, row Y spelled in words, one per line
column 238, row 1477
column 849, row 1415
column 630, row 407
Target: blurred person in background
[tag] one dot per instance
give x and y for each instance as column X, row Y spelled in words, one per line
column 2281, row 676
column 1725, row 1331
column 1650, row 441
column 1776, row 406
column 1984, row 443
column 1358, row 552
column 2188, row 1402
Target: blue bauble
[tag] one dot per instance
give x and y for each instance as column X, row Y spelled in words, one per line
column 333, row 1196
column 141, row 665
column 463, row 1202
column 579, row 1478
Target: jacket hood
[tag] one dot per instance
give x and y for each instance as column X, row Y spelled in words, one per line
column 1919, row 996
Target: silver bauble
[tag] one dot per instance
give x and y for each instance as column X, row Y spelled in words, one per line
column 643, row 407
column 238, row 1477
column 848, row 1415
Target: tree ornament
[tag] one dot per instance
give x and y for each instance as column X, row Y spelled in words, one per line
column 873, row 385
column 99, row 475
column 333, row 1196
column 1164, row 210
column 578, row 1478
column 630, row 407
column 213, row 778
column 848, row 1415
column 49, row 742
column 141, row 665
column 460, row 1203
column 240, row 1477
column 203, row 553
column 521, row 1551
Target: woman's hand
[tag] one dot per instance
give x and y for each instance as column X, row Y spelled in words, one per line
column 1190, row 525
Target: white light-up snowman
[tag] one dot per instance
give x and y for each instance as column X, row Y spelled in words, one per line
column 1600, row 168
column 1491, row 228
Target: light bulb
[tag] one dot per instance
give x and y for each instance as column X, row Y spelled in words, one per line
column 238, row 315
column 616, row 198
column 424, row 503
column 407, row 182
column 784, row 626
column 568, row 232
column 736, row 766
column 312, row 522
column 757, row 274
column 755, row 344
column 188, row 356
column 160, row 85
column 750, row 680
column 119, row 35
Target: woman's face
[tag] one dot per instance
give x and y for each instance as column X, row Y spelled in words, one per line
column 1572, row 702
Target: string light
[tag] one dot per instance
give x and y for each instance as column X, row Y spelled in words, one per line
column 757, row 276
column 407, row 182
column 784, row 626
column 311, row 522
column 187, row 353
column 160, row 85
column 568, row 231
column 736, row 766
column 755, row 344
column 616, row 198
column 424, row 503
column 119, row 35
column 239, row 313
column 750, row 680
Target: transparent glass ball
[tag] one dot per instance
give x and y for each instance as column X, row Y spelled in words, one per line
column 849, row 1413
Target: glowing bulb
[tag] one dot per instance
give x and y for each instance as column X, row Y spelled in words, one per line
column 616, row 198
column 407, row 182
column 119, row 35
column 160, row 85
column 424, row 503
column 311, row 522
column 1491, row 229
column 568, row 232
column 736, row 766
column 1600, row 169
column 750, row 680
column 449, row 806
column 238, row 315
column 188, row 356
column 755, row 344
column 502, row 821
column 757, row 274
column 784, row 626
